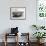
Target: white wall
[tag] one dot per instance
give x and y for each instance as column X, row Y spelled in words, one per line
column 24, row 25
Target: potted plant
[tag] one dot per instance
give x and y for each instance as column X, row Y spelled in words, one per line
column 39, row 35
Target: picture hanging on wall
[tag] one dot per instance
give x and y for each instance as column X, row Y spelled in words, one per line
column 17, row 13
column 41, row 12
column 41, row 8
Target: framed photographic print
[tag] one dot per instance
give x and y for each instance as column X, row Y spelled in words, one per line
column 41, row 9
column 17, row 13
column 41, row 12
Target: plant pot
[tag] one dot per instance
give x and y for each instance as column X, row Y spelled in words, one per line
column 40, row 41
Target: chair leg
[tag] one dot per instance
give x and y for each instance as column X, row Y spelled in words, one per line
column 5, row 43
column 5, row 40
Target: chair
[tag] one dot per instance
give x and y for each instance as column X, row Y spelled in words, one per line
column 26, row 41
column 7, row 35
column 14, row 32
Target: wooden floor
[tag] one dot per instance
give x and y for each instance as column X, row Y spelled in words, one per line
column 13, row 44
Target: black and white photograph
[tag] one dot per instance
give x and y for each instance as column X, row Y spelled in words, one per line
column 17, row 13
